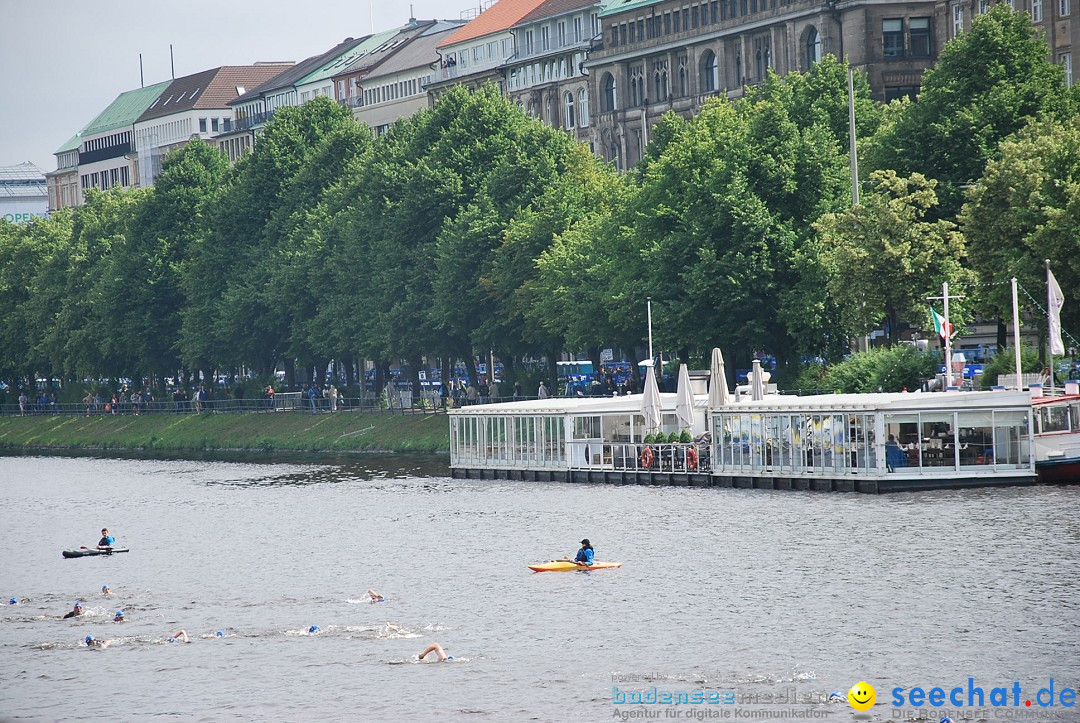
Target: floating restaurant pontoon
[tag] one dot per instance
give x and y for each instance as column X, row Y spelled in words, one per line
column 835, row 442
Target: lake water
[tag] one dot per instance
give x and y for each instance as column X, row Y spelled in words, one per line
column 756, row 595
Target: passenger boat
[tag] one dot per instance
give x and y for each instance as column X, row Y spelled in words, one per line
column 1057, row 438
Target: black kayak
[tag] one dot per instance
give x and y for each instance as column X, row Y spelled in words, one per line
column 93, row 552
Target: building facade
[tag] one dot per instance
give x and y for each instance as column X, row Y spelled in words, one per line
column 195, row 106
column 655, row 56
column 23, row 193
column 546, row 75
column 63, row 183
column 478, row 52
column 396, row 87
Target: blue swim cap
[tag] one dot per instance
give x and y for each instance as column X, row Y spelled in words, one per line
column 836, row 695
column 220, row 633
column 449, row 657
column 13, row 601
column 104, row 588
column 119, row 614
column 946, row 719
column 313, row 629
column 89, row 639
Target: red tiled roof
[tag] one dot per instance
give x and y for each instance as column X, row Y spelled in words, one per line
column 223, row 88
column 500, row 16
column 552, row 8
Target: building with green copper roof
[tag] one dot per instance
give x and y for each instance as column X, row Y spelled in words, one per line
column 618, row 6
column 125, row 110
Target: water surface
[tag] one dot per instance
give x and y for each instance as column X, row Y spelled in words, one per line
column 755, row 592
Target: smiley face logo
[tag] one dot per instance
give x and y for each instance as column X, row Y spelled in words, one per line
column 862, row 696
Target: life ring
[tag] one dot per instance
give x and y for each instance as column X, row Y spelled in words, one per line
column 647, row 457
column 691, row 459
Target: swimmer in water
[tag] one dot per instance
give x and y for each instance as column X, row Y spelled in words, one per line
column 375, row 596
column 75, row 611
column 439, row 653
column 107, row 541
column 92, row 642
column 105, row 590
column 119, row 617
column 180, row 636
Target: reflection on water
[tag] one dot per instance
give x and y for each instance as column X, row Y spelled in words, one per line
column 748, row 591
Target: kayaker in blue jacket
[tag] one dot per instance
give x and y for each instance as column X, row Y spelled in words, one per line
column 585, row 554
column 106, row 540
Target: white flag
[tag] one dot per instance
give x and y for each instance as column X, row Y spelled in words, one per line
column 1055, row 300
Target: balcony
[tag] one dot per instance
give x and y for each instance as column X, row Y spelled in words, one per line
column 255, row 119
column 104, row 154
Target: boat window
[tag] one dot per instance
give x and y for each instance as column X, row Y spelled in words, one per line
column 1053, row 419
column 1011, row 447
column 586, row 427
column 976, row 438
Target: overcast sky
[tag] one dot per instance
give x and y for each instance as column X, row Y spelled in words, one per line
column 63, row 61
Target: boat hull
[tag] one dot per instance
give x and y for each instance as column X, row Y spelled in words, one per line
column 93, row 552
column 1059, row 471
column 569, row 566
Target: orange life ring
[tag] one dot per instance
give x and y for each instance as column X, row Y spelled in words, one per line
column 647, row 457
column 691, row 459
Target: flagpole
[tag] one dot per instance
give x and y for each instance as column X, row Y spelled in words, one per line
column 1016, row 335
column 948, row 343
column 648, row 301
column 1049, row 330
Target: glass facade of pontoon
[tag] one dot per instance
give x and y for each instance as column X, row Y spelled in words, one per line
column 825, row 443
column 795, row 442
column 507, row 441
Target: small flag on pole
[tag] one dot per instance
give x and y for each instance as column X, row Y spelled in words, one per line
column 1055, row 300
column 940, row 325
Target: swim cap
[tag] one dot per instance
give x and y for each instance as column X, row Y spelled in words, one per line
column 449, row 657
column 13, row 601
column 119, row 614
column 946, row 719
column 104, row 588
column 89, row 639
column 835, row 696
column 220, row 633
column 313, row 629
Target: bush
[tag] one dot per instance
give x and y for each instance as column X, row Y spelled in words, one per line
column 1004, row 362
column 650, row 439
column 685, row 437
column 878, row 370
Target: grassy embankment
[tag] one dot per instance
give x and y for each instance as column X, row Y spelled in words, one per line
column 291, row 431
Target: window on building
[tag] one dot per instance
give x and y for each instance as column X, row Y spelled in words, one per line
column 594, row 20
column 682, row 81
column 695, row 16
column 677, row 21
column 608, row 99
column 568, row 107
column 957, row 18
column 641, row 29
column 202, row 125
column 813, row 47
column 562, row 33
column 583, row 108
column 478, row 54
column 463, row 58
column 529, row 41
column 493, row 51
column 214, row 125
column 710, row 72
column 892, row 35
column 507, row 48
column 714, row 12
column 984, row 5
column 1066, row 65
column 545, row 40
column 614, row 37
column 637, row 90
column 577, row 30
column 919, row 37
column 1036, row 11
column 895, row 92
column 1063, row 8
column 622, row 34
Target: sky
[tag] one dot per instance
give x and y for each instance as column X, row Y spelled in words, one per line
column 63, row 61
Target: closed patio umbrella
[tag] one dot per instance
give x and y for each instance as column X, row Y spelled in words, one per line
column 650, row 403
column 718, row 390
column 684, row 400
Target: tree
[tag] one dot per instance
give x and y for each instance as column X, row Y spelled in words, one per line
column 884, row 258
column 987, row 84
column 1024, row 209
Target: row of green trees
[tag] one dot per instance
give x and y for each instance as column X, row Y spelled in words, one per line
column 471, row 227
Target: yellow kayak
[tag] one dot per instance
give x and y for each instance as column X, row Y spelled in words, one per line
column 568, row 565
